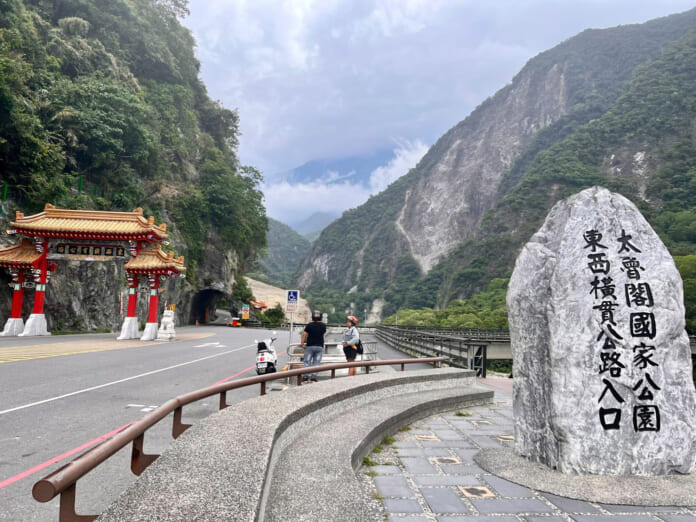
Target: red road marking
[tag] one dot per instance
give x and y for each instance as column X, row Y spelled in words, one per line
column 60, row 457
column 243, row 371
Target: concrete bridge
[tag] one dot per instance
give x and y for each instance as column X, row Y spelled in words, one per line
column 462, row 345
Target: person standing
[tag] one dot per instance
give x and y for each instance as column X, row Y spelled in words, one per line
column 313, row 343
column 350, row 341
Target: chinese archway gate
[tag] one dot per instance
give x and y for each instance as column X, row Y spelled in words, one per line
column 85, row 235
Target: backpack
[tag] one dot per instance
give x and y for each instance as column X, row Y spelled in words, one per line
column 359, row 347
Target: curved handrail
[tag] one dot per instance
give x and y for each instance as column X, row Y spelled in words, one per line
column 62, row 481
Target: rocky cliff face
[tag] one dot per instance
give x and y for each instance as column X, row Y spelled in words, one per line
column 460, row 176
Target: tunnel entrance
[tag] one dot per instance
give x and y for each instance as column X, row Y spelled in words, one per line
column 205, row 305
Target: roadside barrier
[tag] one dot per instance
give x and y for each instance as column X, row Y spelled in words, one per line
column 63, row 481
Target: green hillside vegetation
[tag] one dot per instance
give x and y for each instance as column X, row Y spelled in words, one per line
column 286, row 249
column 101, row 108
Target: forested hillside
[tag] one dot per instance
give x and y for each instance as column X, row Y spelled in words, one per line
column 101, row 108
column 614, row 107
column 286, row 249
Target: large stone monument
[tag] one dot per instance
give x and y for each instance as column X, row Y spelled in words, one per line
column 602, row 365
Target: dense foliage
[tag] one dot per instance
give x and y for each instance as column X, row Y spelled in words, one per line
column 286, row 249
column 101, row 107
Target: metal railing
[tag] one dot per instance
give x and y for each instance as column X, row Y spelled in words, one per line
column 63, row 481
column 461, row 352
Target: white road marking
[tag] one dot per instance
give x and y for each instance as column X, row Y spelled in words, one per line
column 135, row 406
column 206, row 344
column 37, row 403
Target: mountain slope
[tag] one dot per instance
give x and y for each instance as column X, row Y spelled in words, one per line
column 286, row 249
column 456, row 220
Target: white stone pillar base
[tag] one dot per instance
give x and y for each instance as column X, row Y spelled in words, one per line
column 150, row 332
column 13, row 327
column 129, row 329
column 166, row 335
column 36, row 325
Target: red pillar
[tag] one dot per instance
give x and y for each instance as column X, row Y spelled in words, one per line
column 18, row 296
column 154, row 299
column 40, row 294
column 132, row 294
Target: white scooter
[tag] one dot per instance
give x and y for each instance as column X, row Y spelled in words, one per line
column 266, row 357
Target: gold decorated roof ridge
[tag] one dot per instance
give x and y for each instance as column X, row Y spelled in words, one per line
column 22, row 254
column 153, row 258
column 104, row 222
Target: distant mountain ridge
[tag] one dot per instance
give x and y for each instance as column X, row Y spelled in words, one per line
column 356, row 169
column 614, row 107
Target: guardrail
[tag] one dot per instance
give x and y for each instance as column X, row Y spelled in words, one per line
column 63, row 481
column 462, row 352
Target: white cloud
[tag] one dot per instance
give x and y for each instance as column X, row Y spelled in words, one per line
column 406, row 156
column 335, row 192
column 293, row 204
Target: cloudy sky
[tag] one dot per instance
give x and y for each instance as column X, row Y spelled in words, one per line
column 317, row 79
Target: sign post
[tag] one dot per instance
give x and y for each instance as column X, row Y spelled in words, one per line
column 291, row 306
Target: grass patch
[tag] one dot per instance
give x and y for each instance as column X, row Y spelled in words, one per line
column 371, row 473
column 367, row 461
column 388, row 440
column 405, row 428
column 378, row 449
column 377, row 496
column 463, row 414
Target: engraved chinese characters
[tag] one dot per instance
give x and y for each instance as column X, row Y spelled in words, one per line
column 638, row 296
column 601, row 360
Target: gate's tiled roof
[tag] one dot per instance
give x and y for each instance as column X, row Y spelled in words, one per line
column 90, row 224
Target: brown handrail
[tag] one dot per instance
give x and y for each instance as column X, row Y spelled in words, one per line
column 63, row 480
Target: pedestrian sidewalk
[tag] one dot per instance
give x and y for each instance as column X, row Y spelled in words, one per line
column 428, row 473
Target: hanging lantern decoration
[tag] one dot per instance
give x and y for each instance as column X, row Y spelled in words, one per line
column 15, row 275
column 151, row 279
column 39, row 245
column 133, row 249
column 37, row 274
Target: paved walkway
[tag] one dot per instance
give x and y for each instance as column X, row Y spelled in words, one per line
column 428, row 473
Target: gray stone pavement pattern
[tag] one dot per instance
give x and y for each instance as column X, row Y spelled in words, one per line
column 428, row 473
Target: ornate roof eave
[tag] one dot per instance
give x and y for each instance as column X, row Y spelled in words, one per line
column 152, row 260
column 90, row 224
column 22, row 255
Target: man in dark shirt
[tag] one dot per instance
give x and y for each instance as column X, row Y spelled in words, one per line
column 313, row 343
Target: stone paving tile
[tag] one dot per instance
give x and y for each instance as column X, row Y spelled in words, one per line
column 418, row 465
column 402, row 505
column 478, row 518
column 444, row 500
column 393, row 487
column 386, row 470
column 614, row 518
column 463, row 469
column 552, row 518
column 570, row 505
column 426, row 452
column 508, row 489
column 506, row 505
column 427, row 488
column 448, row 434
column 640, row 509
column 446, row 480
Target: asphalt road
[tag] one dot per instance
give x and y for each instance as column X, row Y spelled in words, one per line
column 52, row 405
